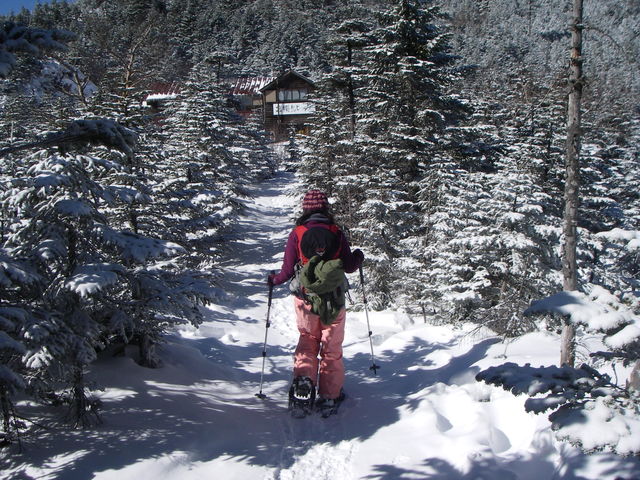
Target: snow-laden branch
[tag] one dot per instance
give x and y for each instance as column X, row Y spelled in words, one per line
column 16, row 38
column 136, row 248
column 589, row 411
column 93, row 278
column 99, row 131
column 13, row 272
column 599, row 311
column 587, row 408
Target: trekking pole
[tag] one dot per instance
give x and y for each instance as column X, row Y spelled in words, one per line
column 264, row 347
column 373, row 366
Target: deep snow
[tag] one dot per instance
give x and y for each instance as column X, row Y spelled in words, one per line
column 422, row 417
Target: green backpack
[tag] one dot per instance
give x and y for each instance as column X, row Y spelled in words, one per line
column 324, row 283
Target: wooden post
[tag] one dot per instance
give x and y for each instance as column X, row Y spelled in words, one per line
column 572, row 179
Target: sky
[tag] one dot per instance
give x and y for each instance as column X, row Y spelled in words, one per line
column 7, row 6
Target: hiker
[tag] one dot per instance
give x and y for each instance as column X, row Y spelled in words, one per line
column 320, row 316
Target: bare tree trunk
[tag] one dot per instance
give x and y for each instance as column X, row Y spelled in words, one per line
column 6, row 412
column 351, row 94
column 569, row 262
column 147, row 349
column 634, row 378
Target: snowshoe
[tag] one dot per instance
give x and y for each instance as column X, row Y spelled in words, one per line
column 330, row 406
column 302, row 396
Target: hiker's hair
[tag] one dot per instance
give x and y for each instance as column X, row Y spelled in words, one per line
column 307, row 213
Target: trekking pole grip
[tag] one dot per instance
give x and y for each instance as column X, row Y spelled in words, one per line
column 273, row 272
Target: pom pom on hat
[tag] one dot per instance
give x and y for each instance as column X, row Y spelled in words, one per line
column 315, row 200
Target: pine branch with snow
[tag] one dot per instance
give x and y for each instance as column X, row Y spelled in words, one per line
column 81, row 133
column 19, row 38
column 598, row 311
column 588, row 409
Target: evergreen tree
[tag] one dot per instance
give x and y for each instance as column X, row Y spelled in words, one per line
column 406, row 115
column 101, row 283
column 203, row 175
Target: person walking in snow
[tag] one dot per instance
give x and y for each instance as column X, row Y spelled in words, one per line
column 316, row 257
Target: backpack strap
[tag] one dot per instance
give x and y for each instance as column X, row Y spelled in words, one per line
column 300, row 231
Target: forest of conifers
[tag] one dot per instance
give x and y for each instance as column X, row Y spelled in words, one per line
column 439, row 135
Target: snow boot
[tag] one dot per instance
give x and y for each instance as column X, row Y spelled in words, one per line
column 330, row 406
column 302, row 396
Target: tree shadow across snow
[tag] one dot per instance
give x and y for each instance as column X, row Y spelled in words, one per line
column 212, row 413
column 154, row 414
column 378, row 401
column 439, row 469
column 201, row 406
column 378, row 398
column 517, row 467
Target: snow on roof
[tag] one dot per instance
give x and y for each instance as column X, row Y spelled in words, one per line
column 162, row 91
column 168, row 88
column 250, row 85
column 160, row 96
column 283, row 77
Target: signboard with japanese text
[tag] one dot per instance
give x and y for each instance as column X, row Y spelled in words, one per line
column 299, row 108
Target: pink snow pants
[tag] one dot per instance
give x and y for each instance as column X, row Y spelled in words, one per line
column 326, row 340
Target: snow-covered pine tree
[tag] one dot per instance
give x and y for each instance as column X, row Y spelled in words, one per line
column 405, row 115
column 101, row 283
column 19, row 38
column 50, row 221
column 493, row 248
column 493, row 226
column 127, row 53
column 17, row 282
column 203, row 176
column 331, row 160
column 247, row 142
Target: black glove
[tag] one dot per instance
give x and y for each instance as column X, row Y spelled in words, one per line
column 357, row 253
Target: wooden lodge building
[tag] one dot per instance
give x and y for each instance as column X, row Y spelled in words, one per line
column 284, row 101
column 246, row 93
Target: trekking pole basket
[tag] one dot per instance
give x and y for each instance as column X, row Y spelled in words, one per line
column 373, row 366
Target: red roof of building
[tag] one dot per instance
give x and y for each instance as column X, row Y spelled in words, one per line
column 164, row 88
column 250, row 85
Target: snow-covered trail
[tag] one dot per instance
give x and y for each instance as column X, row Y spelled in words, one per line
column 422, row 417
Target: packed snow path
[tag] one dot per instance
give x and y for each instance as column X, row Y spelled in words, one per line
column 422, row 417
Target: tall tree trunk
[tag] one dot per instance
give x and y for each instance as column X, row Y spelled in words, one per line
column 569, row 263
column 5, row 409
column 351, row 94
column 634, row 378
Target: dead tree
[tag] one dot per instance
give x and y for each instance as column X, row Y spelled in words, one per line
column 572, row 183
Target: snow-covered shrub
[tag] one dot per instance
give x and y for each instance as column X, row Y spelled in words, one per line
column 15, row 277
column 588, row 408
